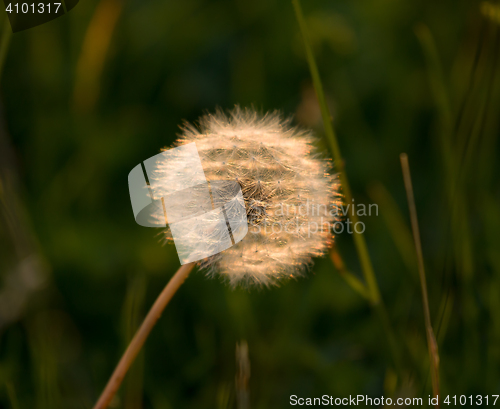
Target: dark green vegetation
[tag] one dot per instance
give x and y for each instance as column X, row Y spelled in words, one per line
column 88, row 96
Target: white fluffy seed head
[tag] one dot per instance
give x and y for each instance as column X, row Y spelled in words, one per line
column 289, row 194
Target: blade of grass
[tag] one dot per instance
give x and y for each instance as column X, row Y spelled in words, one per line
column 440, row 94
column 483, row 111
column 359, row 239
column 402, row 238
column 471, row 79
column 431, row 339
column 350, row 278
column 436, row 76
column 457, row 254
column 444, row 315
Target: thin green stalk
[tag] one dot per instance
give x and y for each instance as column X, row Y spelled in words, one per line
column 455, row 224
column 482, row 116
column 431, row 339
column 359, row 239
column 350, row 278
column 371, row 288
column 438, row 88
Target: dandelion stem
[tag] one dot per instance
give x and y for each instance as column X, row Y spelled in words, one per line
column 431, row 339
column 359, row 239
column 141, row 335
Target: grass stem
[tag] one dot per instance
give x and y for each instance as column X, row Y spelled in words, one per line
column 371, row 289
column 359, row 239
column 350, row 278
column 431, row 339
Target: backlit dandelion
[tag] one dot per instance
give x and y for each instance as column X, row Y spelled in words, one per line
column 289, row 194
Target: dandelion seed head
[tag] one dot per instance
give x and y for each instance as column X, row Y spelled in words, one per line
column 281, row 175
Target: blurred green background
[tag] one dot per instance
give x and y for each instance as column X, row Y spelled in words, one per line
column 89, row 95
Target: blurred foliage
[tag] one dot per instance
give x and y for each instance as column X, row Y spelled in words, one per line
column 89, row 95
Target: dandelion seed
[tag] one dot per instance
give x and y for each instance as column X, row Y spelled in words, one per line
column 277, row 167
